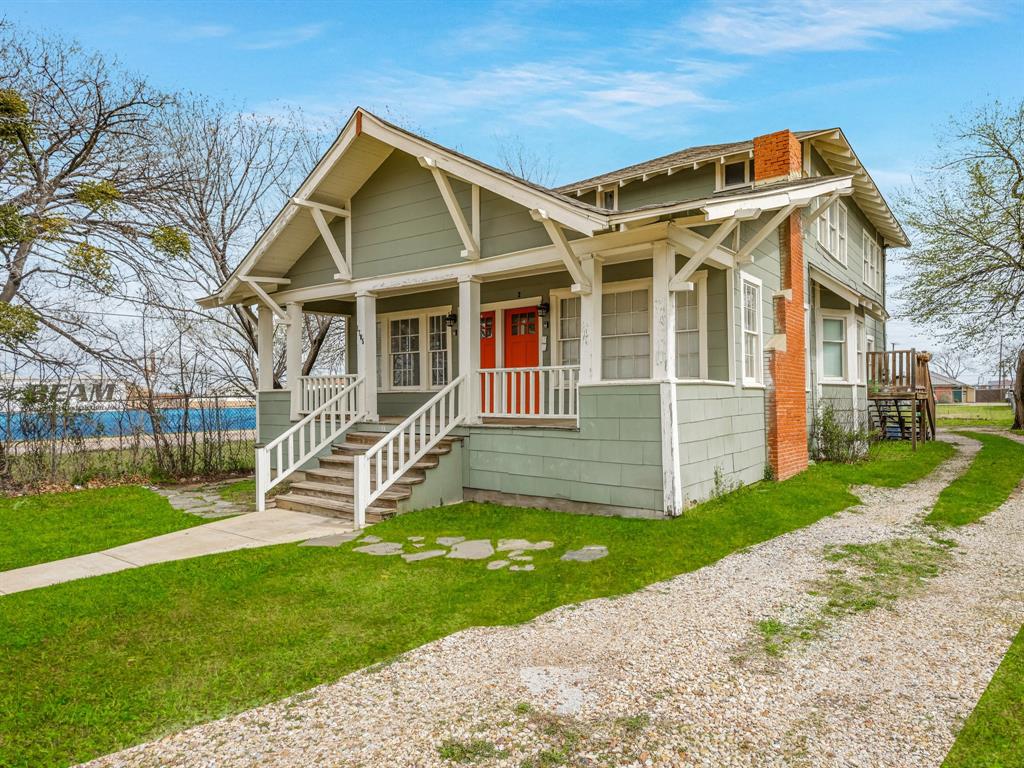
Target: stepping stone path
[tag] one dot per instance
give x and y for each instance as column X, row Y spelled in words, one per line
column 380, row 548
column 205, row 501
column 512, row 551
column 587, row 554
column 478, row 549
column 333, row 540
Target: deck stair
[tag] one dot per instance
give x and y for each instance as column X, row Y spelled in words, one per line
column 327, row 489
column 901, row 395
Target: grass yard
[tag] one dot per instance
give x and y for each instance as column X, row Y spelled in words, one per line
column 993, row 736
column 36, row 529
column 972, row 415
column 993, row 475
column 99, row 664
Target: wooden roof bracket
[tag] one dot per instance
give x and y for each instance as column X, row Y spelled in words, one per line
column 572, row 263
column 681, row 280
column 470, row 241
column 254, row 283
column 745, row 254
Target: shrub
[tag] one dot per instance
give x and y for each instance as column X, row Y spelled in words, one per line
column 837, row 439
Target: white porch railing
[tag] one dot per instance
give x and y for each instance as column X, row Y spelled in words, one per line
column 396, row 452
column 306, row 438
column 314, row 391
column 549, row 392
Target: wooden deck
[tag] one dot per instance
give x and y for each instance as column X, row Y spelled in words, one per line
column 900, row 389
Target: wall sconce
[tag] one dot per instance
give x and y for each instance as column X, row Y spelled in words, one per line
column 451, row 320
column 543, row 309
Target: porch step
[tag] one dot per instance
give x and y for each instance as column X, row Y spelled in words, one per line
column 315, row 505
column 343, row 473
column 340, row 492
column 338, row 460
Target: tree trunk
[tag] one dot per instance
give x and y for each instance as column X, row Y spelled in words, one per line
column 1018, row 393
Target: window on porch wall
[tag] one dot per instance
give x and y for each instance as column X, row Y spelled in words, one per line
column 626, row 335
column 751, row 296
column 438, row 344
column 688, row 334
column 405, row 352
column 569, row 331
column 833, row 347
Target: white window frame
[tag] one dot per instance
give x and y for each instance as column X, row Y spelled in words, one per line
column 599, row 197
column 839, row 250
column 758, row 374
column 700, row 286
column 385, row 383
column 833, row 314
column 748, row 173
column 872, row 261
column 608, row 288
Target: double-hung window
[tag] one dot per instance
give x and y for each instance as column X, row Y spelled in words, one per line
column 404, row 355
column 832, row 230
column 833, row 348
column 750, row 296
column 569, row 331
column 690, row 352
column 414, row 351
column 626, row 334
column 872, row 262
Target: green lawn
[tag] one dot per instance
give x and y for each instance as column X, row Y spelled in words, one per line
column 993, row 475
column 99, row 664
column 993, row 736
column 971, row 415
column 49, row 526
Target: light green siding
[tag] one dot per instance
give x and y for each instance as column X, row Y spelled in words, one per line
column 613, row 459
column 852, row 273
column 273, row 413
column 720, row 427
column 682, row 185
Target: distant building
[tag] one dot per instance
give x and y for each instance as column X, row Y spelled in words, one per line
column 950, row 390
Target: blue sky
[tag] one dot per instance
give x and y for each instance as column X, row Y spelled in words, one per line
column 594, row 86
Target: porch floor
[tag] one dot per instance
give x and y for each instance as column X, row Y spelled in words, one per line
column 499, row 421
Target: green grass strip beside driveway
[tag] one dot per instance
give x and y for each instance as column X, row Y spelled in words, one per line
column 993, row 736
column 95, row 665
column 993, row 475
column 52, row 526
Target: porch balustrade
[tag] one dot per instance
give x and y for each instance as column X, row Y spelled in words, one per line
column 543, row 392
column 314, row 391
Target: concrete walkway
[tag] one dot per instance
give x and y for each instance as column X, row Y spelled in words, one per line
column 256, row 529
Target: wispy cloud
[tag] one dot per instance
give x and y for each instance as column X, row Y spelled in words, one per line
column 629, row 101
column 283, row 38
column 757, row 27
column 201, row 32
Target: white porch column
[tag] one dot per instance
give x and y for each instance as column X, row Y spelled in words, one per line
column 366, row 351
column 590, row 321
column 663, row 320
column 293, row 355
column 265, row 348
column 663, row 368
column 469, row 346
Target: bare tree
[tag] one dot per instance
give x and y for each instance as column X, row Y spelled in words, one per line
column 967, row 272
column 80, row 169
column 520, row 160
column 951, row 362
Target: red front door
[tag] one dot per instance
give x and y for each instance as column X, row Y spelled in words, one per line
column 488, row 337
column 522, row 350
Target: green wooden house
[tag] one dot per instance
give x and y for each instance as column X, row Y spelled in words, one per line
column 620, row 345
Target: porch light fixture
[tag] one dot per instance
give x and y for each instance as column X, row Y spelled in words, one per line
column 451, row 320
column 543, row 309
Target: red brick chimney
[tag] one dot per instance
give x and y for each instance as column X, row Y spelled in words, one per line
column 778, row 157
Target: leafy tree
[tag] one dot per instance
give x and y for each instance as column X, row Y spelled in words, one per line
column 966, row 270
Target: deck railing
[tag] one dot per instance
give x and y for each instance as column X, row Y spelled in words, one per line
column 314, row 391
column 306, row 438
column 904, row 373
column 397, row 451
column 543, row 392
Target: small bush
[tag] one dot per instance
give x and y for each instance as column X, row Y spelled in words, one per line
column 837, row 439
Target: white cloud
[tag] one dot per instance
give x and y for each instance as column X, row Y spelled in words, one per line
column 283, row 38
column 629, row 101
column 773, row 26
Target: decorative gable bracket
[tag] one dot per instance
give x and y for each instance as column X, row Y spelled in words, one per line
column 318, row 210
column 572, row 262
column 470, row 235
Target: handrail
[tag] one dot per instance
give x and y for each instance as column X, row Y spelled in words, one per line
column 549, row 391
column 396, row 452
column 306, row 438
column 314, row 391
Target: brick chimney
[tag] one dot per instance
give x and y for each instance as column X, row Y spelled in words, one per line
column 778, row 157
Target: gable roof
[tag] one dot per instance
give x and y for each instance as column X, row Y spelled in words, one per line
column 946, row 381
column 830, row 143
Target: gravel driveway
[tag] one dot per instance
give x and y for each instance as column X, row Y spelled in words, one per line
column 675, row 674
